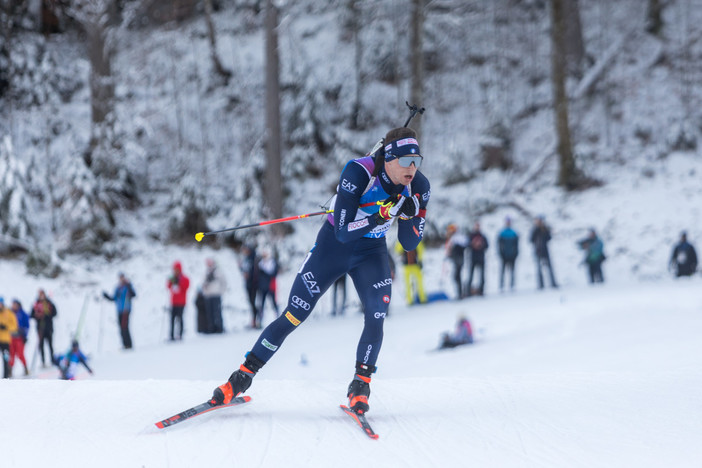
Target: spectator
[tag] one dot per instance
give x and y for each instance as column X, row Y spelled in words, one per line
column 456, row 243
column 8, row 326
column 594, row 256
column 414, row 282
column 212, row 289
column 478, row 245
column 339, row 289
column 178, row 285
column 267, row 272
column 122, row 297
column 540, row 237
column 68, row 363
column 19, row 338
column 44, row 312
column 684, row 258
column 508, row 243
column 463, row 334
column 249, row 269
column 201, row 312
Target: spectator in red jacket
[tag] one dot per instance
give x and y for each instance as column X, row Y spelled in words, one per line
column 178, row 285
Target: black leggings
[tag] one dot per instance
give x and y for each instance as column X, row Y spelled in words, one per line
column 49, row 339
column 5, row 352
column 177, row 316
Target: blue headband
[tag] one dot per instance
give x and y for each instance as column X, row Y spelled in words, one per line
column 399, row 148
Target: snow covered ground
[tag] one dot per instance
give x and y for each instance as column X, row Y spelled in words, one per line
column 605, row 376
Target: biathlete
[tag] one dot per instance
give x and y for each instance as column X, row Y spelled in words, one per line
column 373, row 192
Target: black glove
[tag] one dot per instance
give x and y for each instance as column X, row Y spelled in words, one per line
column 3, row 326
column 410, row 208
column 106, row 296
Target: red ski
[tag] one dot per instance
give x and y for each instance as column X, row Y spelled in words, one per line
column 200, row 409
column 361, row 420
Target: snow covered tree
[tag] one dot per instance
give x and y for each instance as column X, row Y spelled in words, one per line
column 15, row 227
column 188, row 211
column 105, row 153
column 86, row 221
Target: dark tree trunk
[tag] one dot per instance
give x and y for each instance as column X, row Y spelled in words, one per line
column 212, row 36
column 354, row 7
column 417, row 60
column 273, row 183
column 575, row 46
column 567, row 175
column 654, row 17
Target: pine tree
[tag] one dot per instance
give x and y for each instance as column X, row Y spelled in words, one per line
column 15, row 226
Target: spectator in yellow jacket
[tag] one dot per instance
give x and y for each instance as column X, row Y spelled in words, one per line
column 8, row 326
column 414, row 281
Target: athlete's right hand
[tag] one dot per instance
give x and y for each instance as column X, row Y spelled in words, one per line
column 391, row 207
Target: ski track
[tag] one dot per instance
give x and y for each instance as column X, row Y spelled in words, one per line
column 583, row 385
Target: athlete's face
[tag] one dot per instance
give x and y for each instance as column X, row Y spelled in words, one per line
column 398, row 174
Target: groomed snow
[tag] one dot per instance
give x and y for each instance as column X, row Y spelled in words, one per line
column 604, row 376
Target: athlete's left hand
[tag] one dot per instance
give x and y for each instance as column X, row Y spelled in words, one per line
column 410, row 208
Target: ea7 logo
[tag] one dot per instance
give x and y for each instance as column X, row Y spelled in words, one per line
column 310, row 283
column 385, row 282
column 299, row 303
column 348, row 186
column 380, row 315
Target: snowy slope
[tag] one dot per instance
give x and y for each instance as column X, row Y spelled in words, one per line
column 605, row 376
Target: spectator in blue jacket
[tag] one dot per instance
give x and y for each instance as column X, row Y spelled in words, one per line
column 508, row 242
column 594, row 256
column 124, row 293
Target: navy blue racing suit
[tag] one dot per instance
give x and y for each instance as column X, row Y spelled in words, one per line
column 351, row 241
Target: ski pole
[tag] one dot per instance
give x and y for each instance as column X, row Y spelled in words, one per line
column 200, row 235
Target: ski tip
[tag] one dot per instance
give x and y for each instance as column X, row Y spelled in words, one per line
column 159, row 425
column 246, row 398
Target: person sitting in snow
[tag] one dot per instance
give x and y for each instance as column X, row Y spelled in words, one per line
column 68, row 363
column 463, row 334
